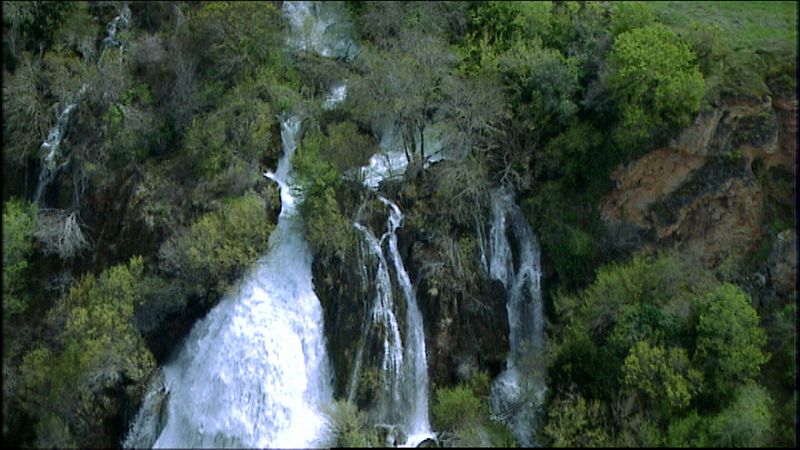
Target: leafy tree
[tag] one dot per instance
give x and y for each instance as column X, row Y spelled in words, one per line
column 626, row 16
column 664, row 376
column 211, row 254
column 19, row 224
column 655, row 80
column 328, row 230
column 747, row 422
column 729, row 340
column 576, row 422
column 236, row 38
column 71, row 386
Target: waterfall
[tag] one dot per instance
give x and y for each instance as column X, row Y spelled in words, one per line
column 254, row 372
column 123, row 21
column 519, row 390
column 51, row 147
column 415, row 376
column 383, row 313
column 404, row 399
column 319, row 27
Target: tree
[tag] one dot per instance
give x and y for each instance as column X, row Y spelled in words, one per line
column 747, row 422
column 655, row 80
column 664, row 376
column 74, row 387
column 19, row 224
column 729, row 340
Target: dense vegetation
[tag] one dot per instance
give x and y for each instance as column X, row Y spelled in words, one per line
column 159, row 206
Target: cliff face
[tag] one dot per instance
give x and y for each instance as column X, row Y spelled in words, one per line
column 723, row 187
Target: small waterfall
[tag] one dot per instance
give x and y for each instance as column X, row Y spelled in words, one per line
column 415, row 376
column 518, row 391
column 404, row 400
column 122, row 21
column 383, row 313
column 51, row 147
column 336, row 96
column 254, row 372
column 149, row 421
column 319, row 27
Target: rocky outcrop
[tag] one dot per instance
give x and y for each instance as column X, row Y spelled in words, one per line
column 700, row 193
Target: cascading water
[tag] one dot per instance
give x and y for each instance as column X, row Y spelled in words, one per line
column 415, row 375
column 518, row 391
column 254, row 372
column 52, row 145
column 383, row 313
column 404, row 400
column 122, row 21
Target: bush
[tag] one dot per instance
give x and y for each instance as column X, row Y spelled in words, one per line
column 463, row 410
column 729, row 340
column 626, row 16
column 655, row 80
column 214, row 252
column 349, row 427
column 19, row 224
column 72, row 386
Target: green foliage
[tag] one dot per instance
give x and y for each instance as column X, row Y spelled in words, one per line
column 651, row 339
column 463, row 410
column 19, row 223
column 626, row 16
column 237, row 38
column 729, row 340
column 655, row 80
column 328, row 231
column 70, row 386
column 575, row 422
column 663, row 376
column 747, row 422
column 542, row 83
column 211, row 254
column 350, row 427
column 688, row 431
column 501, row 24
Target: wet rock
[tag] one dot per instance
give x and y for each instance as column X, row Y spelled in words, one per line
column 782, row 264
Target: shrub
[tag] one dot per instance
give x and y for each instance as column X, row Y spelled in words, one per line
column 19, row 224
column 72, row 387
column 655, row 80
column 216, row 249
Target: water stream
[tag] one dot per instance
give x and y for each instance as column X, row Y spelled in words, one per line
column 519, row 390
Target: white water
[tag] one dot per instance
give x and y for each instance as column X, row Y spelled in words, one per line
column 337, row 95
column 51, row 147
column 415, row 374
column 383, row 313
column 319, row 27
column 254, row 372
column 519, row 390
column 122, row 21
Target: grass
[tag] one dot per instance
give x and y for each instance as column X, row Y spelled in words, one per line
column 746, row 25
column 760, row 38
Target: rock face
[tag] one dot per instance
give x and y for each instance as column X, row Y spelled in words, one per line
column 782, row 264
column 700, row 194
